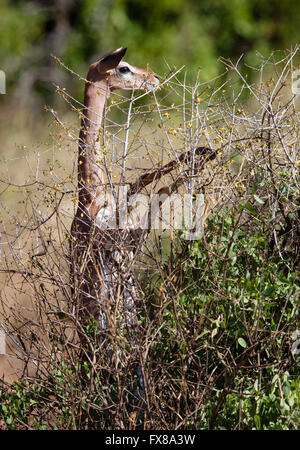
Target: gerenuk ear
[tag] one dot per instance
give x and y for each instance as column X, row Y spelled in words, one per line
column 111, row 60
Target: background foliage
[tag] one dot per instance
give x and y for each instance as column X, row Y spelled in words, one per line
column 184, row 32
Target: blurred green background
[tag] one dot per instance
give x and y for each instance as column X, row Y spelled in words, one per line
column 194, row 33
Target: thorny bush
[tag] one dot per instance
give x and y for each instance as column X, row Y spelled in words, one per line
column 217, row 333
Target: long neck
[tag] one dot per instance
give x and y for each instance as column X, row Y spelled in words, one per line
column 90, row 172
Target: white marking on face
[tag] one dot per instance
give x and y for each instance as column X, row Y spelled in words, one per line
column 137, row 76
column 123, row 64
column 126, row 71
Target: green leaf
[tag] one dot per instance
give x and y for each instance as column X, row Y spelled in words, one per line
column 257, row 422
column 9, row 420
column 250, row 208
column 242, row 342
column 258, row 199
column 269, row 290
